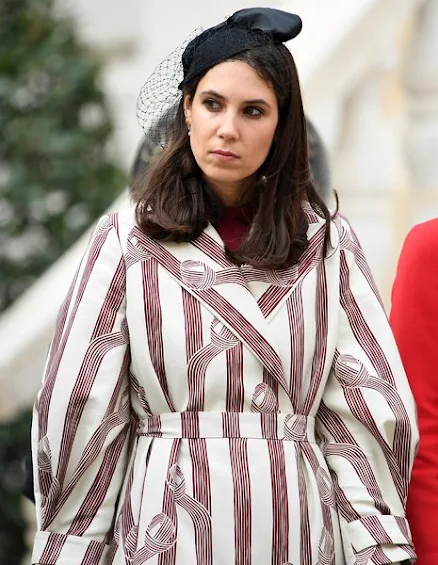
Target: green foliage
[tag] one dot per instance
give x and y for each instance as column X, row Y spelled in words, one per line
column 55, row 174
column 14, row 445
column 55, row 179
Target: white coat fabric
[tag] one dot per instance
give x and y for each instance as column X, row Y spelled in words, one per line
column 194, row 412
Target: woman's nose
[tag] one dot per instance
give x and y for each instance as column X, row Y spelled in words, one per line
column 228, row 128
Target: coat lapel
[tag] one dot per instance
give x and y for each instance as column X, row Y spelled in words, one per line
column 271, row 288
column 284, row 282
column 221, row 287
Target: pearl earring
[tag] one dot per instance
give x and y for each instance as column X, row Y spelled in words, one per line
column 189, row 131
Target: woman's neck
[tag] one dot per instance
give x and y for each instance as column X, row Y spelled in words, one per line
column 232, row 194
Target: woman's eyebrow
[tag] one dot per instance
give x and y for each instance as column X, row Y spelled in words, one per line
column 225, row 99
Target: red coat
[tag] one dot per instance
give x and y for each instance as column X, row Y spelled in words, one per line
column 414, row 320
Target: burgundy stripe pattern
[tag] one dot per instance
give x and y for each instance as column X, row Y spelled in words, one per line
column 168, row 512
column 280, row 507
column 153, row 323
column 242, row 500
column 196, row 412
column 304, row 520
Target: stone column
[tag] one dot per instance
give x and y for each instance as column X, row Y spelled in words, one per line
column 421, row 133
column 368, row 169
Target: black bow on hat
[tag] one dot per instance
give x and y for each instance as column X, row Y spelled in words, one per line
column 246, row 29
column 282, row 26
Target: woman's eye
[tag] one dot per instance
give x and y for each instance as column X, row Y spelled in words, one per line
column 212, row 104
column 253, row 112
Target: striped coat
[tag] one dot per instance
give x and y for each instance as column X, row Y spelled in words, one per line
column 196, row 413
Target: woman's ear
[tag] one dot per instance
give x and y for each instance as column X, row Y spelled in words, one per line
column 188, row 109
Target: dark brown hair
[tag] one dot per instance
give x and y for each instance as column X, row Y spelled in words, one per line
column 174, row 204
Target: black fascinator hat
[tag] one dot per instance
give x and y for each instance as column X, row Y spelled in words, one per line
column 244, row 30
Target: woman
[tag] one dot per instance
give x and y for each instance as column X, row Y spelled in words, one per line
column 223, row 386
column 148, row 152
column 414, row 320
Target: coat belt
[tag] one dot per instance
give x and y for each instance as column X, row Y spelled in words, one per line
column 195, row 425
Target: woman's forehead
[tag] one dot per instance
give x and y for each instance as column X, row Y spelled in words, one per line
column 236, row 79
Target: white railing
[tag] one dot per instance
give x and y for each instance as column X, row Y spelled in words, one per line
column 26, row 328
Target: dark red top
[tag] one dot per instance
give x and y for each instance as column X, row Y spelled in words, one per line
column 234, row 224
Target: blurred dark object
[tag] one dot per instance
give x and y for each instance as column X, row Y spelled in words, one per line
column 55, row 174
column 14, row 445
column 27, row 483
column 318, row 160
column 146, row 154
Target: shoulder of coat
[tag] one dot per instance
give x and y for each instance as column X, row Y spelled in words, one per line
column 346, row 234
column 317, row 222
column 341, row 233
column 125, row 215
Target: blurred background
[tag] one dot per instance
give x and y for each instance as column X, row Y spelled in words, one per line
column 70, row 72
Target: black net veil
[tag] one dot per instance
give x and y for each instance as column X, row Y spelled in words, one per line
column 160, row 96
column 162, row 92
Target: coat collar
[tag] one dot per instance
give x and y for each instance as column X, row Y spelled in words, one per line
column 203, row 269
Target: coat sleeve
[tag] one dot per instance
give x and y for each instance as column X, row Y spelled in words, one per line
column 367, row 419
column 81, row 424
column 414, row 320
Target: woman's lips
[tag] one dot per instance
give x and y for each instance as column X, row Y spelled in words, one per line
column 225, row 155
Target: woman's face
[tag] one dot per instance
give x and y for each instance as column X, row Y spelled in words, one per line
column 232, row 117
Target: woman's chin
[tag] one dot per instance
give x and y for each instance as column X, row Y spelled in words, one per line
column 218, row 176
